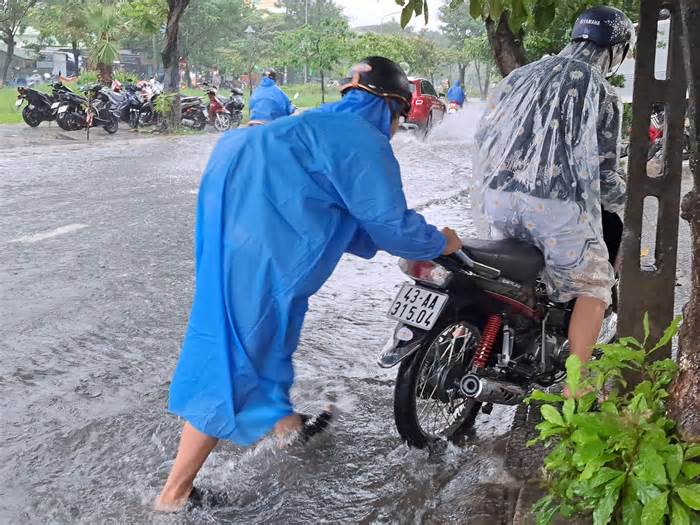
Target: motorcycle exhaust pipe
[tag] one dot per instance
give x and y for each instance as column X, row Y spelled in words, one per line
column 187, row 122
column 488, row 390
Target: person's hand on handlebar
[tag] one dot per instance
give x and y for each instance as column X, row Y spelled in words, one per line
column 454, row 243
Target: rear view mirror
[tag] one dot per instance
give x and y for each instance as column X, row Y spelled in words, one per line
column 296, row 96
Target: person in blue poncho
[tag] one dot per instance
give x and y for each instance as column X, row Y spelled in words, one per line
column 456, row 94
column 269, row 102
column 278, row 206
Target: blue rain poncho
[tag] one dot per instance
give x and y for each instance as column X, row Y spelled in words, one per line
column 456, row 93
column 278, row 206
column 269, row 102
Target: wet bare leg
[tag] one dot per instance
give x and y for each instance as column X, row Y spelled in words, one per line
column 584, row 328
column 194, row 449
column 286, row 427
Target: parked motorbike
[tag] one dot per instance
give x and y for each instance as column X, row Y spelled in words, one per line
column 40, row 106
column 128, row 102
column 656, row 134
column 83, row 112
column 474, row 329
column 453, row 107
column 235, row 105
column 193, row 113
column 217, row 114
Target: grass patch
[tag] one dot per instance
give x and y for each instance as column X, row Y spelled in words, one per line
column 310, row 94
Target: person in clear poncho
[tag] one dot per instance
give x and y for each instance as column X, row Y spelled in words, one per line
column 547, row 164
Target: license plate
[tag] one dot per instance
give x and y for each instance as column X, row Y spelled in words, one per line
column 55, row 105
column 18, row 103
column 417, row 306
column 63, row 109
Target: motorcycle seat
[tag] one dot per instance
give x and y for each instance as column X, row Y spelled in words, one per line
column 190, row 99
column 517, row 260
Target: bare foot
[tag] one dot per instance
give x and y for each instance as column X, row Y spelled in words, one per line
column 286, row 428
column 171, row 500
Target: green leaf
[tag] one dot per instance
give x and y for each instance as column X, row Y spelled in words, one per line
column 406, row 15
column 454, row 4
column 647, row 330
column 674, row 461
column 693, row 451
column 650, row 467
column 670, row 331
column 655, row 510
column 690, row 495
column 644, row 491
column 539, row 395
column 679, row 514
column 606, row 506
column 476, row 8
column 630, row 341
column 568, row 409
column 631, row 511
column 551, row 414
column 691, row 470
column 573, row 373
column 586, row 402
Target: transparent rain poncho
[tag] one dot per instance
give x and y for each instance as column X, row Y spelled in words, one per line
column 547, row 159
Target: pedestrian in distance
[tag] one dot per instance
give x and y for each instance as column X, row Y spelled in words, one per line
column 278, row 206
column 268, row 101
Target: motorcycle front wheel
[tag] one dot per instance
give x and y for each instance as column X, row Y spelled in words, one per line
column 222, row 122
column 427, row 404
column 31, row 117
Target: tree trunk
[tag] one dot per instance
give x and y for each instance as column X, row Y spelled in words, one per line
column 188, row 79
column 508, row 50
column 685, row 391
column 76, row 57
column 487, row 82
column 10, row 41
column 478, row 79
column 104, row 74
column 323, row 88
column 171, row 62
column 462, row 73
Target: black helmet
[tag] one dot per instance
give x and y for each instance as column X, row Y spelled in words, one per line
column 604, row 26
column 270, row 73
column 382, row 77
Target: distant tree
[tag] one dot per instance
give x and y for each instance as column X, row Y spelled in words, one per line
column 312, row 12
column 170, row 56
column 395, row 47
column 106, row 22
column 478, row 52
column 321, row 47
column 13, row 16
column 428, row 57
column 457, row 25
column 64, row 21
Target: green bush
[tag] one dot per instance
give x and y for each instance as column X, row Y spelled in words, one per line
column 87, row 78
column 124, row 76
column 623, row 461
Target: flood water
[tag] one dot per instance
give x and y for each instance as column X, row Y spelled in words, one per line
column 92, row 317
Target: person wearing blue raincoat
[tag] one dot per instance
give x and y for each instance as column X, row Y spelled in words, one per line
column 269, row 102
column 278, row 206
column 456, row 93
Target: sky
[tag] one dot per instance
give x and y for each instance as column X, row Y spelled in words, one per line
column 370, row 12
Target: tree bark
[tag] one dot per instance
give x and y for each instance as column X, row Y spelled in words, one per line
column 685, row 391
column 462, row 73
column 323, row 88
column 76, row 57
column 171, row 62
column 508, row 50
column 487, row 82
column 104, row 73
column 10, row 41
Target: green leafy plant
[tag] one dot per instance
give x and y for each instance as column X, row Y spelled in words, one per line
column 87, row 77
column 620, row 458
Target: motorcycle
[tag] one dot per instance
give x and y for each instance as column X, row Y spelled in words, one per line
column 217, row 114
column 235, row 105
column 193, row 113
column 84, row 112
column 453, row 107
column 40, row 106
column 475, row 329
column 656, row 134
column 127, row 101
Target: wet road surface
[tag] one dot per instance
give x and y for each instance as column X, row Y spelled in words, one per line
column 96, row 280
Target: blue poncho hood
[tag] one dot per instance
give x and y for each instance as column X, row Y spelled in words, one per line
column 374, row 109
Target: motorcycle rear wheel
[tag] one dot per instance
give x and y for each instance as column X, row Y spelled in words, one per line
column 417, row 395
column 113, row 126
column 31, row 117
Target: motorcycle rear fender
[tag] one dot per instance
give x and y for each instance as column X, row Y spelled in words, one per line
column 403, row 342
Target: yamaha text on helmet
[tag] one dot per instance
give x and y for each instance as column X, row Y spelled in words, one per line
column 270, row 73
column 606, row 27
column 382, row 77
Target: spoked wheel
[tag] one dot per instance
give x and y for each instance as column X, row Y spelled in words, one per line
column 427, row 403
column 222, row 122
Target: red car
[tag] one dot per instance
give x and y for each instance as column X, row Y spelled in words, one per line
column 426, row 108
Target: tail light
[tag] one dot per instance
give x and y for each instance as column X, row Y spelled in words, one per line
column 419, row 102
column 425, row 271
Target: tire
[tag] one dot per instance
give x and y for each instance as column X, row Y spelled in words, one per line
column 428, row 126
column 200, row 121
column 67, row 122
column 113, row 126
column 133, row 119
column 222, row 122
column 236, row 120
column 406, row 413
column 654, row 149
column 31, row 117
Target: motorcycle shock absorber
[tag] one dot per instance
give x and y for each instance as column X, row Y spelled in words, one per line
column 488, row 338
